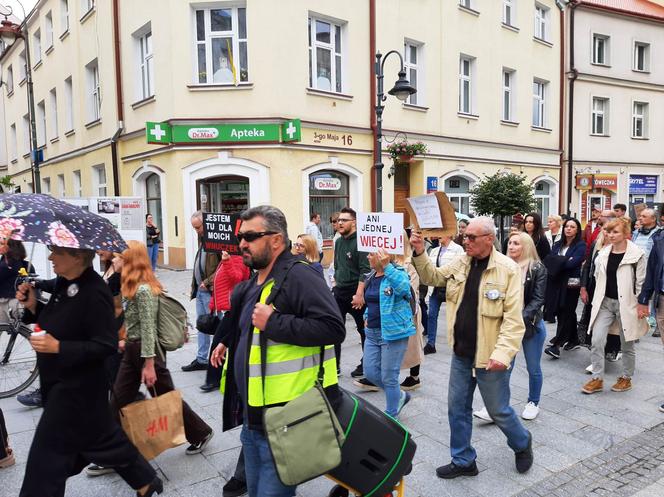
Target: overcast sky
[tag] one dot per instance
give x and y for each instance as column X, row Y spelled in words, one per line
column 14, row 4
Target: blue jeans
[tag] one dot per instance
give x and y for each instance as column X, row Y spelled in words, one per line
column 153, row 254
column 203, row 307
column 432, row 324
column 382, row 362
column 532, row 350
column 495, row 389
column 261, row 473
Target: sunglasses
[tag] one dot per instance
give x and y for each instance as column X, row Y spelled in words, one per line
column 472, row 238
column 298, row 245
column 252, row 236
column 344, row 220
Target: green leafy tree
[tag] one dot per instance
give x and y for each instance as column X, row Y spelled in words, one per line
column 501, row 195
column 6, row 184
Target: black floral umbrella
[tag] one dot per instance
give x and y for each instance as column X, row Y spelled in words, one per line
column 32, row 217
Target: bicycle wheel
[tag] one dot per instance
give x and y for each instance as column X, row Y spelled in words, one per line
column 18, row 360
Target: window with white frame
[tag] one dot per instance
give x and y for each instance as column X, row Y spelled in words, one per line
column 10, row 79
column 466, row 85
column 53, row 104
column 508, row 95
column 61, row 185
column 539, row 103
column 601, row 49
column 326, row 68
column 94, row 91
column 221, row 46
column 76, row 183
column 509, row 12
column 99, row 180
column 69, row 105
column 639, row 120
column 13, row 152
column 600, row 116
column 145, row 83
column 41, row 123
column 46, row 185
column 641, row 56
column 48, row 30
column 26, row 134
column 87, row 6
column 36, row 47
column 413, row 61
column 541, row 22
column 23, row 72
column 64, row 16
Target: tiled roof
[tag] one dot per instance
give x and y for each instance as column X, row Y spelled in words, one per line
column 634, row 7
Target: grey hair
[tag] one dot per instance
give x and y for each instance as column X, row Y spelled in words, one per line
column 197, row 215
column 273, row 219
column 486, row 223
column 649, row 212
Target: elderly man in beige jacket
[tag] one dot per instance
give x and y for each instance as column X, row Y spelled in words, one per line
column 485, row 329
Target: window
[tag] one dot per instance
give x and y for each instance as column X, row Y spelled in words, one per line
column 64, row 15
column 61, row 185
column 53, row 103
column 221, row 46
column 600, row 50
column 600, row 113
column 153, row 198
column 94, row 91
column 641, row 56
column 46, row 185
column 87, row 6
column 146, row 65
column 10, row 79
column 457, row 189
column 539, row 103
column 99, row 179
column 412, row 65
column 639, row 120
column 509, row 14
column 541, row 22
column 36, row 47
column 508, row 95
column 325, row 55
column 77, row 183
column 23, row 65
column 41, row 124
column 328, row 193
column 466, row 70
column 26, row 134
column 69, row 105
column 543, row 198
column 48, row 30
column 13, row 152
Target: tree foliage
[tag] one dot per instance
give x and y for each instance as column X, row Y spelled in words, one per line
column 502, row 195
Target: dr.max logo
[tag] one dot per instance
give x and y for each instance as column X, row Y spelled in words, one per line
column 203, row 133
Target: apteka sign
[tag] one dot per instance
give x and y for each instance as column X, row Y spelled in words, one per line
column 380, row 230
column 220, row 232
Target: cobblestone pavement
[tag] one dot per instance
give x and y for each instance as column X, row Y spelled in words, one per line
column 604, row 444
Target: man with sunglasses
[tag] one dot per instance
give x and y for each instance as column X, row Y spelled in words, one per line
column 484, row 328
column 350, row 268
column 280, row 323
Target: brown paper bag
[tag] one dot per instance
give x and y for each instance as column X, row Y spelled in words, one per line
column 154, row 425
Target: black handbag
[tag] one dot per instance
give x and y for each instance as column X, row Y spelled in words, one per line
column 207, row 323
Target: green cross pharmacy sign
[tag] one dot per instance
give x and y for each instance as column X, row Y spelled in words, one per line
column 165, row 133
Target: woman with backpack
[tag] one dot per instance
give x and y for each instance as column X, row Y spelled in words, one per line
column 142, row 362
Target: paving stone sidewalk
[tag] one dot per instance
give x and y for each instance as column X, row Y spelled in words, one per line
column 603, row 444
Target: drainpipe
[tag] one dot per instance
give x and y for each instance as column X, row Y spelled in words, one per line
column 114, row 159
column 372, row 100
column 118, row 97
column 574, row 74
column 561, row 110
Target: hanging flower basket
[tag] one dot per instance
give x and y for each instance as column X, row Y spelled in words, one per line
column 402, row 153
column 404, row 159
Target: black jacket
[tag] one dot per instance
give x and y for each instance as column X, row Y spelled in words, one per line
column 9, row 273
column 542, row 246
column 653, row 282
column 306, row 314
column 533, row 296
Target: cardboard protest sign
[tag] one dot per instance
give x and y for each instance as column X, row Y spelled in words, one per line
column 380, row 230
column 432, row 214
column 220, row 232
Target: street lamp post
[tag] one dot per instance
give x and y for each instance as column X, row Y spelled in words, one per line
column 402, row 90
column 9, row 33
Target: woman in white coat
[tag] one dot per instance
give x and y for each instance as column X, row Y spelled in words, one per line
column 620, row 269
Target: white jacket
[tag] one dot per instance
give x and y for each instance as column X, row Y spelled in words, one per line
column 453, row 250
column 630, row 275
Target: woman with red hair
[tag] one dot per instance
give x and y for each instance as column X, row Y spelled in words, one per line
column 140, row 363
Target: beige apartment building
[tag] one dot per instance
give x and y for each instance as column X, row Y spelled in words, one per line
column 229, row 104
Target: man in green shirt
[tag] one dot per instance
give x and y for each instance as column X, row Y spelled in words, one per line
column 350, row 268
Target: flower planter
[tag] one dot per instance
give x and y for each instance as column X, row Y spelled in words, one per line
column 404, row 159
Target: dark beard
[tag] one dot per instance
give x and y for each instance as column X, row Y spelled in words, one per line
column 258, row 261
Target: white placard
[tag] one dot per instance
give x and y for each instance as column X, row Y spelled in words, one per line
column 380, row 230
column 427, row 211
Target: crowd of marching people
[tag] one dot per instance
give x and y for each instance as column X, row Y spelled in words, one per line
column 278, row 321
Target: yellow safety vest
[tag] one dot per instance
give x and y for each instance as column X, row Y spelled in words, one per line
column 290, row 370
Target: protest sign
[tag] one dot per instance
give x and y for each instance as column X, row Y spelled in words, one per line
column 219, row 232
column 432, row 214
column 380, row 230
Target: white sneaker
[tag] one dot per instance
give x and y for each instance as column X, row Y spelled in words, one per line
column 530, row 411
column 589, row 369
column 483, row 414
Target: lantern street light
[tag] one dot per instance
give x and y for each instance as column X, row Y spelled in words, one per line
column 402, row 90
column 9, row 33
